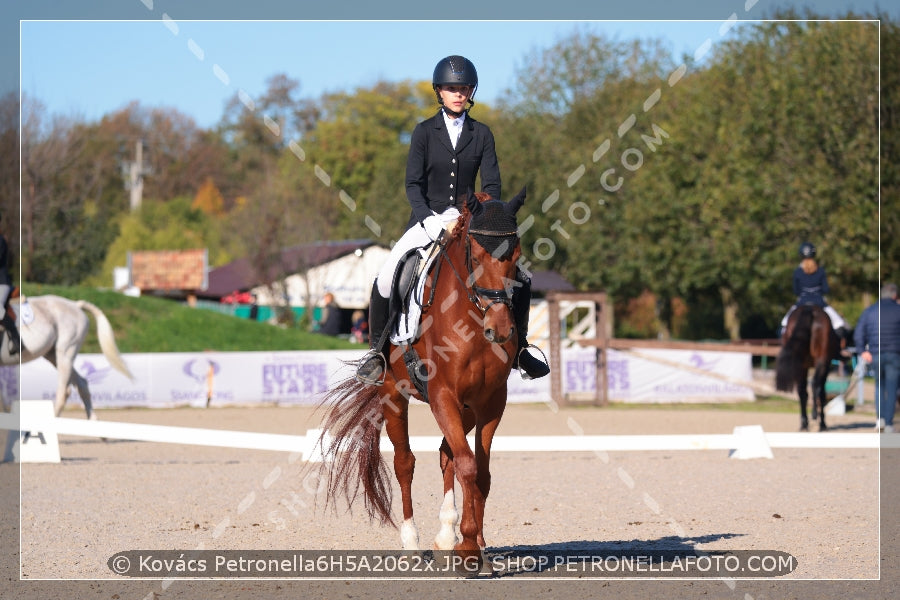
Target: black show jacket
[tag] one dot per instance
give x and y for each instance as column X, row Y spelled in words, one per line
column 438, row 177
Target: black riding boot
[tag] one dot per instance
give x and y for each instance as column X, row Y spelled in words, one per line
column 373, row 366
column 10, row 326
column 532, row 368
column 845, row 340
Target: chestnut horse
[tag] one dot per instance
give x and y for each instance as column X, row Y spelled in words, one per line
column 808, row 341
column 467, row 344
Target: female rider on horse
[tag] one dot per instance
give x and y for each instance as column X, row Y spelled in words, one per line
column 810, row 287
column 445, row 154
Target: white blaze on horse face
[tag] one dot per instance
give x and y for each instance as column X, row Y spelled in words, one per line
column 446, row 538
column 409, row 535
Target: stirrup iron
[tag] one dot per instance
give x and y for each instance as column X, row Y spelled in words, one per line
column 518, row 362
column 382, row 363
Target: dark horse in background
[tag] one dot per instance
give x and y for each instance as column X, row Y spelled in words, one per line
column 468, row 343
column 808, row 341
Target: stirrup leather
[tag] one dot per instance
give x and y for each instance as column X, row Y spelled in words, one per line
column 368, row 377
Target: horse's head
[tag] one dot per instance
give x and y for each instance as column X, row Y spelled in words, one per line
column 492, row 250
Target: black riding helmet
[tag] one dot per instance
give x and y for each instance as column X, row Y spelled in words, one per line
column 455, row 70
column 807, row 250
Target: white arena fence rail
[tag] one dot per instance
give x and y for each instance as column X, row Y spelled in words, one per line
column 36, row 418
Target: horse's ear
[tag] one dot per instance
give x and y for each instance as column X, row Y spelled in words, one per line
column 513, row 206
column 473, row 203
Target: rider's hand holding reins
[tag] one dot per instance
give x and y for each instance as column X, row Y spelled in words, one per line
column 434, row 227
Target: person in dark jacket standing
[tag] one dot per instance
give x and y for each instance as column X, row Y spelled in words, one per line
column 446, row 153
column 6, row 288
column 330, row 323
column 811, row 286
column 881, row 347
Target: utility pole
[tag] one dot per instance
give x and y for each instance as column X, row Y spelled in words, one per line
column 134, row 175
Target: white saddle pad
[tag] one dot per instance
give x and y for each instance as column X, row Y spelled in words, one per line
column 407, row 328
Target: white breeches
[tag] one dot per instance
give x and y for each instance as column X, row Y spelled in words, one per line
column 415, row 237
column 837, row 320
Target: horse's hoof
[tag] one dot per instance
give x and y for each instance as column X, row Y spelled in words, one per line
column 467, row 549
column 467, row 560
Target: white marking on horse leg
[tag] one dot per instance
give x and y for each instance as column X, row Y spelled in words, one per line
column 446, row 538
column 409, row 535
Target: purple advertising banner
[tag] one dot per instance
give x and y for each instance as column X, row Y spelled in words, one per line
column 286, row 378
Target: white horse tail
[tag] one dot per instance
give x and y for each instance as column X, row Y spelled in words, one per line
column 107, row 339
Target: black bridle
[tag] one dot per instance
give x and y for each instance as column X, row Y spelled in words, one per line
column 479, row 295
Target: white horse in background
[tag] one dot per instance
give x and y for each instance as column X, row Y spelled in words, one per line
column 55, row 330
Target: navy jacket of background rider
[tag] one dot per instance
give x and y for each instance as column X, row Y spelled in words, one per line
column 810, row 287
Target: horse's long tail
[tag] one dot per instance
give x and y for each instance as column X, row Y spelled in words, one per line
column 107, row 339
column 353, row 456
column 793, row 352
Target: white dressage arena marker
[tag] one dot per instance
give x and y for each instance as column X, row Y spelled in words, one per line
column 750, row 442
column 32, row 444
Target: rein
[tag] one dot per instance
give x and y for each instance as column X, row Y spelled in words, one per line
column 476, row 294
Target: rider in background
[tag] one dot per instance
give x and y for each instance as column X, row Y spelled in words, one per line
column 810, row 287
column 446, row 152
column 6, row 287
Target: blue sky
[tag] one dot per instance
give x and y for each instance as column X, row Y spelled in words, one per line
column 88, row 69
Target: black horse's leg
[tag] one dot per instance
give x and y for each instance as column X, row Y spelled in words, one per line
column 818, row 385
column 803, row 392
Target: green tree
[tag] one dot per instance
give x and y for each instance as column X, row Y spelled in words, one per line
column 65, row 189
column 9, row 175
column 360, row 143
column 890, row 154
column 784, row 129
column 568, row 105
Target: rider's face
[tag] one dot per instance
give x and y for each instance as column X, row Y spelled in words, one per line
column 454, row 97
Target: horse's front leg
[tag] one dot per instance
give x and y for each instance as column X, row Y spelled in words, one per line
column 447, row 413
column 484, row 435
column 446, row 538
column 396, row 416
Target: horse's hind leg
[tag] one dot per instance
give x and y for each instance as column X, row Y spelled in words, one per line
column 446, row 538
column 804, row 396
column 65, row 369
column 818, row 391
column 84, row 391
column 396, row 416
